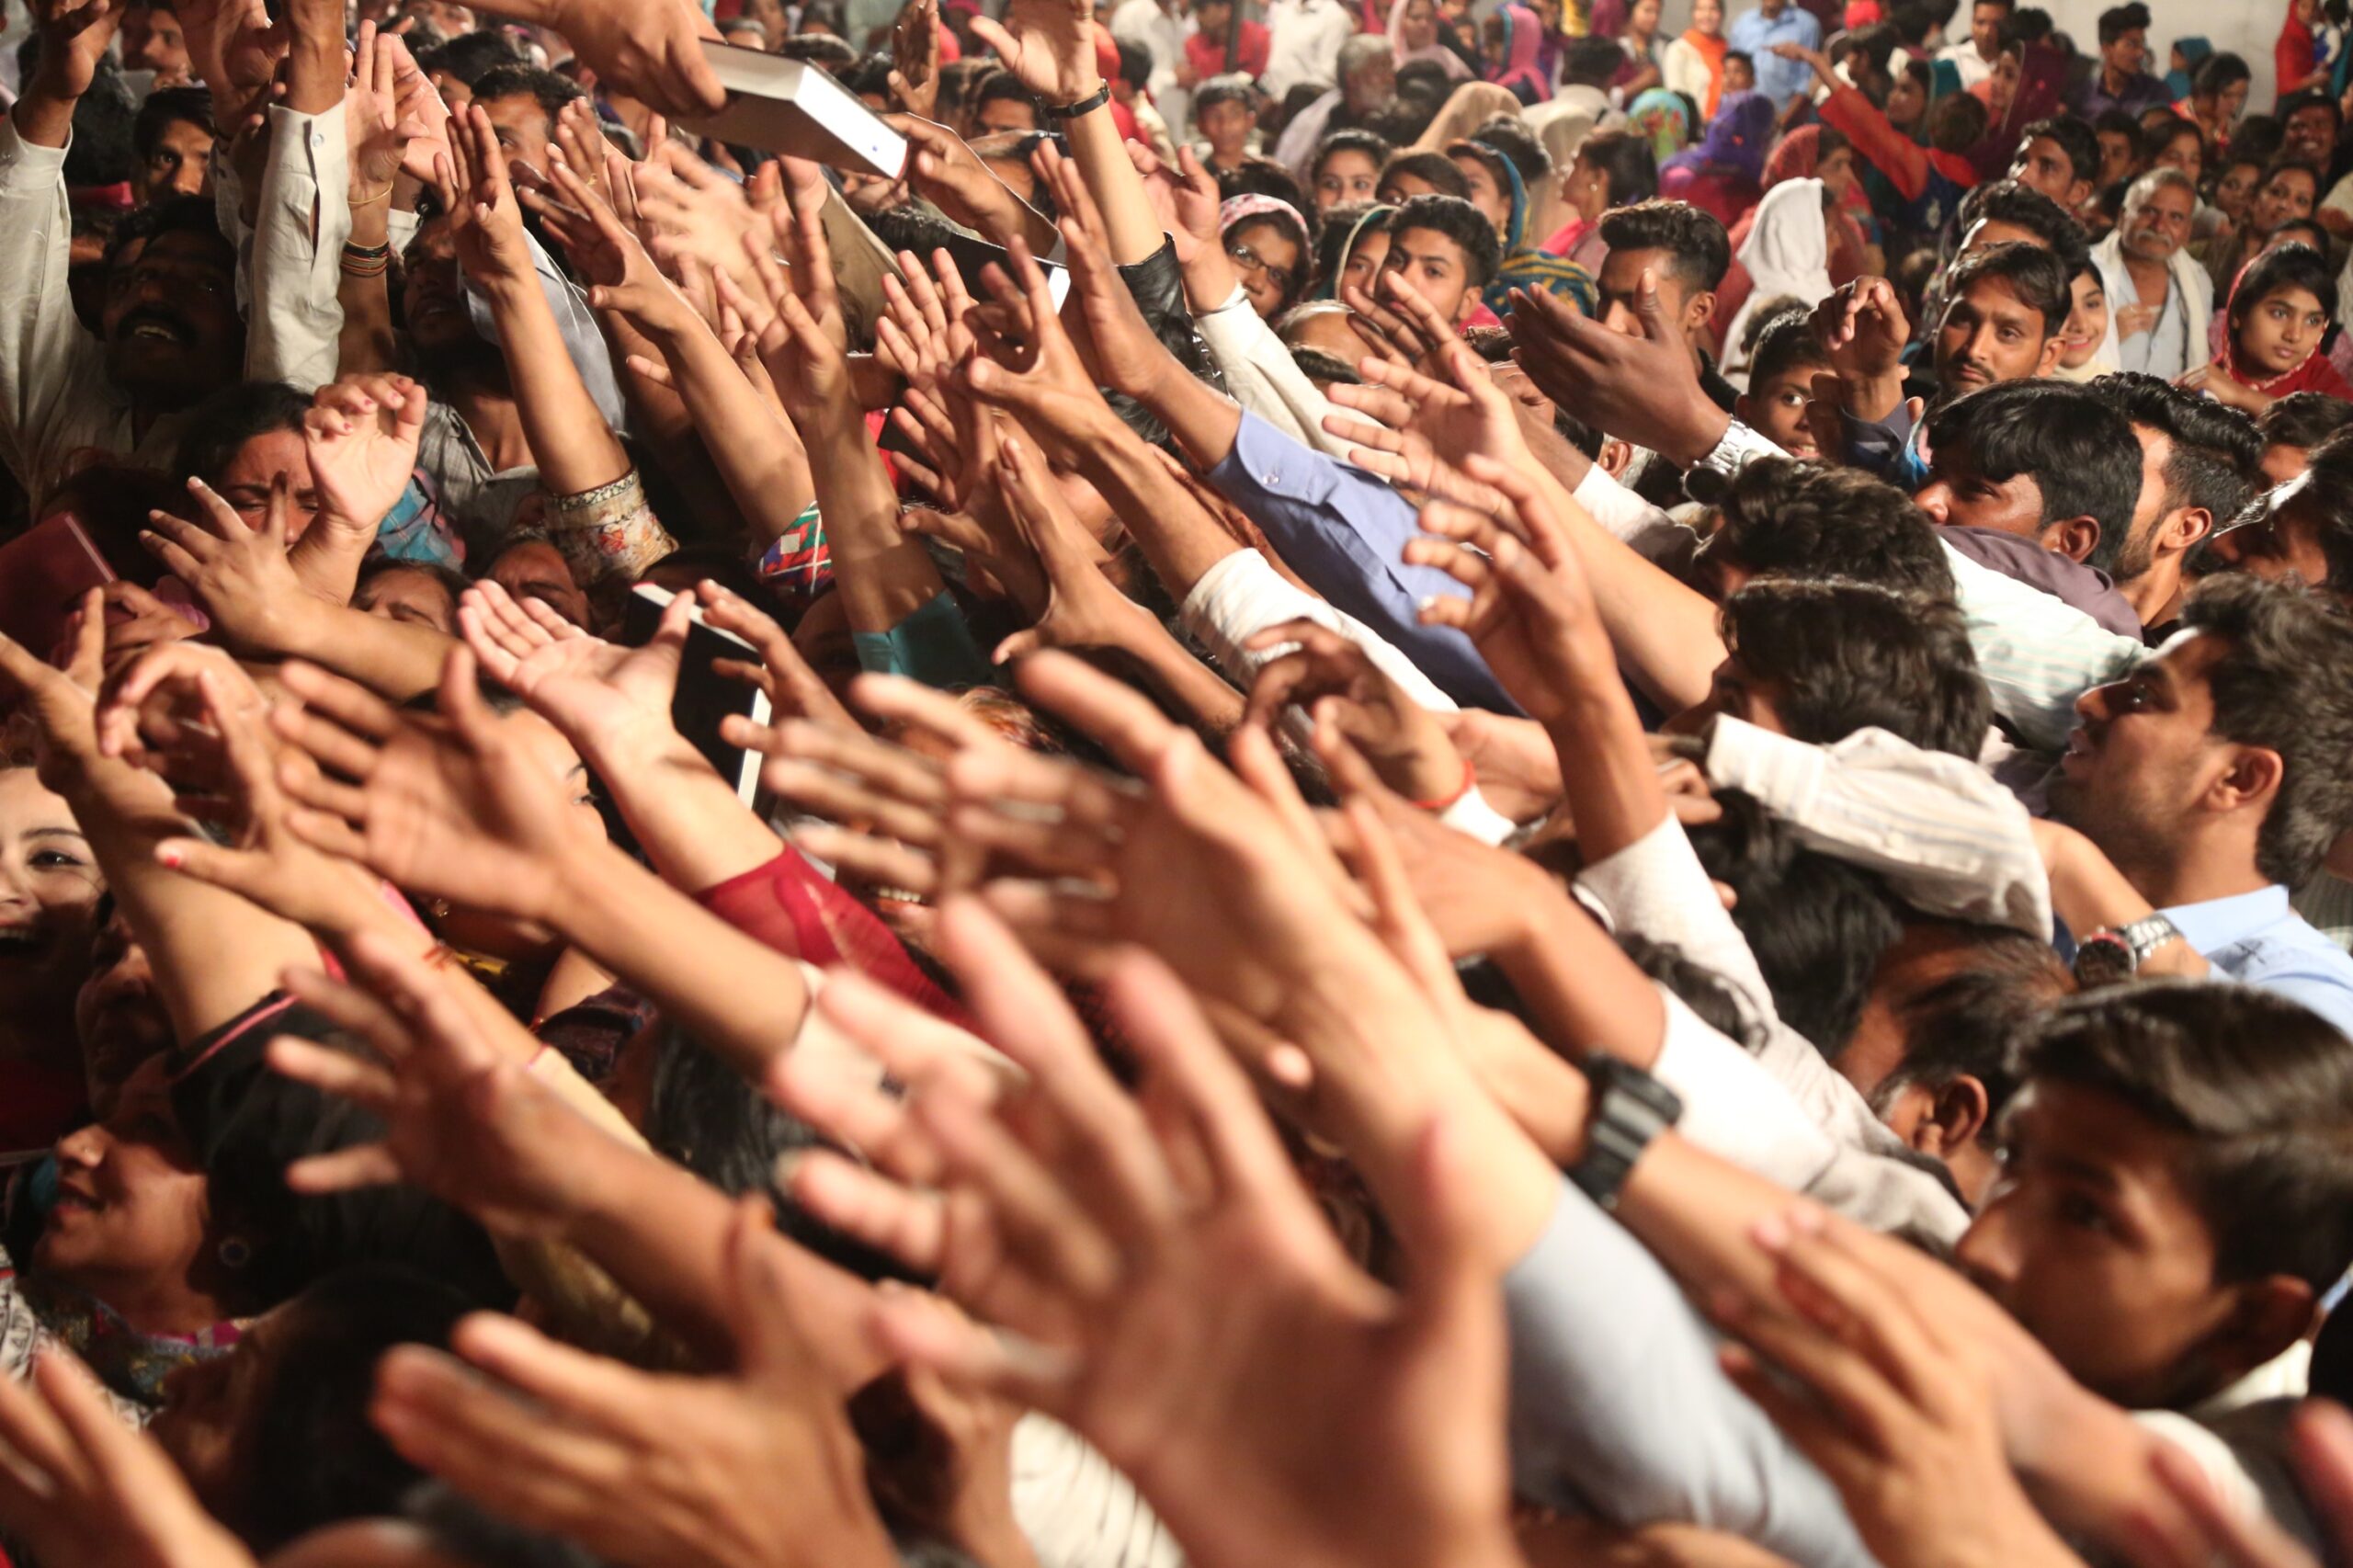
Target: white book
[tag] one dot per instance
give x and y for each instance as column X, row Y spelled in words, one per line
column 789, row 106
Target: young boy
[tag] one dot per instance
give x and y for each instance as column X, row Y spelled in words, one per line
column 1780, row 381
column 1449, row 251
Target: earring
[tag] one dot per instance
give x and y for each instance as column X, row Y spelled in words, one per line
column 234, row 1253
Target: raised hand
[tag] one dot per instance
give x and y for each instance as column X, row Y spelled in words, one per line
column 485, row 221
column 793, row 688
column 362, row 437
column 1185, row 199
column 1863, row 330
column 415, row 100
column 451, row 805
column 84, row 1490
column 462, row 1118
column 1179, row 1301
column 1027, row 364
column 1642, row 388
column 1327, row 675
column 914, row 58
column 1082, row 608
column 693, row 217
column 259, row 605
column 72, row 37
column 380, row 119
column 650, row 50
column 537, row 1431
column 607, row 699
column 607, row 253
column 1109, row 332
column 1049, row 45
column 1905, row 1426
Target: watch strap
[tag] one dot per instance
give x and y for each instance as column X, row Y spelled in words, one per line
column 1086, row 105
column 1630, row 1109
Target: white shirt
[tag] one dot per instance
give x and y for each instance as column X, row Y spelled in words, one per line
column 1303, row 44
column 1973, row 67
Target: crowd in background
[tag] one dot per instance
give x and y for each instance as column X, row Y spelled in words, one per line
column 1379, row 782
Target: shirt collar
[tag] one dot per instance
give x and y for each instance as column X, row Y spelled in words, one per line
column 2216, row 923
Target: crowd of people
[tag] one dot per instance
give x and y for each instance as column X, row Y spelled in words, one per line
column 1378, row 783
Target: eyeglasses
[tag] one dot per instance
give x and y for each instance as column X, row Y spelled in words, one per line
column 1248, row 260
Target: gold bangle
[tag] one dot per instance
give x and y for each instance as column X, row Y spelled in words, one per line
column 383, row 195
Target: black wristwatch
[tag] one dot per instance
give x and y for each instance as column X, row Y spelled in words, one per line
column 1629, row 1108
column 1086, row 105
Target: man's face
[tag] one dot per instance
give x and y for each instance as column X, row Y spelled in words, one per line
column 2128, row 54
column 1486, row 194
column 2144, row 754
column 1434, row 265
column 152, row 40
column 1985, row 28
column 2042, row 165
column 1346, row 175
column 1990, row 334
column 1226, row 126
column 522, row 126
column 181, row 163
column 2160, row 227
column 1619, row 287
column 1370, row 85
column 245, row 482
column 1739, row 76
column 1775, row 406
column 1958, row 497
column 432, row 302
column 2091, row 1240
column 2150, row 513
column 533, row 570
column 170, row 321
column 2116, row 156
column 2310, row 135
column 1020, row 114
column 2284, row 546
column 1736, row 693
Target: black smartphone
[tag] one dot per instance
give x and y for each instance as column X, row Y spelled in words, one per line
column 704, row 698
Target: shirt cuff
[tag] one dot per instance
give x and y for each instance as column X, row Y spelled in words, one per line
column 1738, row 448
column 1733, row 1107
column 1471, row 814
column 1782, row 774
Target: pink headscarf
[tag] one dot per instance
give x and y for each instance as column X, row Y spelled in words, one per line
column 1523, row 40
column 1455, row 69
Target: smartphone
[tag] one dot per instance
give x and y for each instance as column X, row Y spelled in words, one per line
column 704, row 698
column 44, row 573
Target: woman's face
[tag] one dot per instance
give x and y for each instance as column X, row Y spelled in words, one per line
column 1906, row 101
column 417, row 598
column 1418, row 26
column 1364, row 260
column 1486, row 195
column 1265, row 256
column 2286, row 196
column 2185, row 150
column 2086, row 322
column 1642, row 20
column 2279, row 331
column 2003, row 85
column 130, row 1198
column 1708, row 17
column 50, row 885
column 1586, row 189
column 1836, row 173
column 2231, row 104
column 1344, row 177
column 2235, row 189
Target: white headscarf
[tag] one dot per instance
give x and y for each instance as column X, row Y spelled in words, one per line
column 1787, row 255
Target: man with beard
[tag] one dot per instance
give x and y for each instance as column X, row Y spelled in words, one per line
column 2213, row 775
column 2199, row 465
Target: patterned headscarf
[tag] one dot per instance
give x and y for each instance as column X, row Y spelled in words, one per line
column 1663, row 119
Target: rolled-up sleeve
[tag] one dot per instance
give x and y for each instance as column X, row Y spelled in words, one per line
column 1344, row 532
column 300, row 228
column 52, row 377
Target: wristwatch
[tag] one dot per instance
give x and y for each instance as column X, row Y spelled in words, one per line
column 1086, row 105
column 1629, row 1108
column 2105, row 957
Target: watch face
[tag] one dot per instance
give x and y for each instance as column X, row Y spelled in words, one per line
column 2103, row 960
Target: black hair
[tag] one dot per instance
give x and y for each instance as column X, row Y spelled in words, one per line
column 317, row 1459
column 219, row 427
column 1357, row 218
column 2286, row 684
column 549, row 91
column 2217, row 73
column 2029, row 24
column 2310, row 98
column 1221, row 90
column 1969, row 1023
column 1351, row 141
column 1854, row 655
column 1744, row 57
column 1703, row 990
column 2121, row 122
column 2038, row 277
column 1135, row 64
column 1431, row 168
column 1259, row 177
column 2304, row 420
column 1699, row 252
column 2217, row 450
column 2287, row 267
column 1509, row 135
column 470, row 57
column 829, row 53
column 167, row 106
column 1590, row 62
column 910, row 227
column 1004, row 85
column 1784, row 343
column 871, row 77
column 2262, row 1087
column 1626, row 160
column 2258, row 136
column 2076, row 447
column 99, row 151
column 1818, row 926
column 2074, row 138
column 1460, row 222
column 2021, row 205
column 1785, row 518
column 2118, row 20
column 1318, row 366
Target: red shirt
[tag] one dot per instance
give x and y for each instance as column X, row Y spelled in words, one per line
column 1207, row 54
